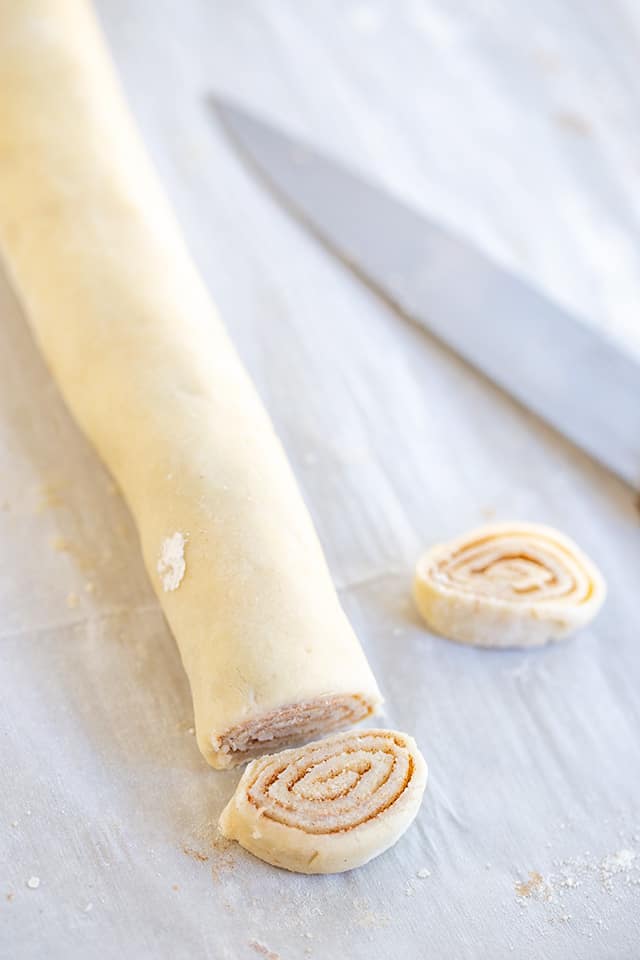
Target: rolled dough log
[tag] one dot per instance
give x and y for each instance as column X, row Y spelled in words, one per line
column 330, row 806
column 508, row 585
column 146, row 368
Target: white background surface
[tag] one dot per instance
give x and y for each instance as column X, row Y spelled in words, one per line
column 517, row 124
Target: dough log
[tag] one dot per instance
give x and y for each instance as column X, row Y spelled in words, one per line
column 146, row 368
column 330, row 806
column 508, row 585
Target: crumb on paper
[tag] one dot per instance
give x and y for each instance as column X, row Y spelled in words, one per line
column 574, row 888
column 620, row 862
column 263, row 950
column 535, row 886
column 88, row 908
column 33, row 883
column 365, row 915
column 195, row 854
column 9, row 896
column 72, row 600
column 174, row 886
column 223, row 857
column 573, row 123
column 171, row 563
column 423, row 873
column 616, row 862
column 89, row 586
column 569, row 881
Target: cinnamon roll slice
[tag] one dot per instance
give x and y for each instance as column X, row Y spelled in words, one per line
column 331, row 805
column 508, row 585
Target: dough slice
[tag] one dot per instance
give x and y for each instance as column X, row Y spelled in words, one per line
column 507, row 585
column 331, row 805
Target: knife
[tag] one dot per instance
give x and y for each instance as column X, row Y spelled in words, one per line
column 569, row 374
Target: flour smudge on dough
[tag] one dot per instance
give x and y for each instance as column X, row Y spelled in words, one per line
column 171, row 564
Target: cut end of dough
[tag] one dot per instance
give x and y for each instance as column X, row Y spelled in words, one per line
column 330, row 806
column 290, row 725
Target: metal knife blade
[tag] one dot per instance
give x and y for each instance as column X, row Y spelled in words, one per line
column 566, row 372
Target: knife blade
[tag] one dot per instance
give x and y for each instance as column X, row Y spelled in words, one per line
column 568, row 373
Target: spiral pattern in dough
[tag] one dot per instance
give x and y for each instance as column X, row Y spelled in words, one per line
column 331, row 805
column 507, row 585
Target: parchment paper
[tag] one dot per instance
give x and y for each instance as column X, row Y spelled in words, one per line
column 528, row 842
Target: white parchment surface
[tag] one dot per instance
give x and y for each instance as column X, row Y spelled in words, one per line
column 516, row 126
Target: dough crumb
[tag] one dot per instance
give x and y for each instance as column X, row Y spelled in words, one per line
column 263, row 950
column 171, row 564
column 223, row 859
column 33, row 883
column 616, row 862
column 195, row 854
column 535, row 886
column 72, row 600
column 423, row 874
